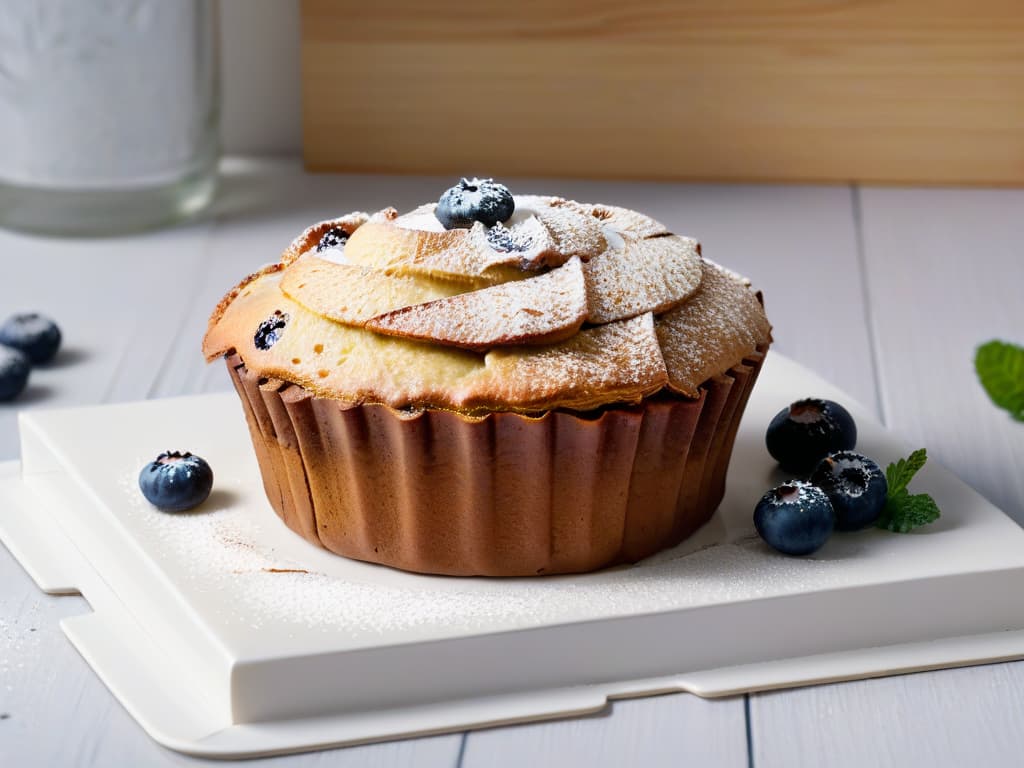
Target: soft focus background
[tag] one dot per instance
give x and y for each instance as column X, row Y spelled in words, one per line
column 260, row 77
column 891, row 91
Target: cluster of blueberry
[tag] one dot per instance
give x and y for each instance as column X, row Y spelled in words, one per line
column 845, row 491
column 25, row 340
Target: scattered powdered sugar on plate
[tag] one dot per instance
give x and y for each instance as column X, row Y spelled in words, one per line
column 230, row 551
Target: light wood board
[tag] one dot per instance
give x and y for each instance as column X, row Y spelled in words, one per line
column 923, row 91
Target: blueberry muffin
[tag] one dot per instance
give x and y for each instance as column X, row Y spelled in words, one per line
column 492, row 384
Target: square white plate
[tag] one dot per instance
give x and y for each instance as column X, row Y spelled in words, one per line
column 227, row 635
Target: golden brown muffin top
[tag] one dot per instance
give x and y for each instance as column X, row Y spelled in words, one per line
column 563, row 305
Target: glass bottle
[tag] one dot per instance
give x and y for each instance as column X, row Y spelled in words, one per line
column 109, row 113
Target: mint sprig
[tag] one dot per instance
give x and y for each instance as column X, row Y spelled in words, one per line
column 899, row 475
column 905, row 511
column 1000, row 368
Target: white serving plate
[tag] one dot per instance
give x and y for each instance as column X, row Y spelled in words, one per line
column 226, row 635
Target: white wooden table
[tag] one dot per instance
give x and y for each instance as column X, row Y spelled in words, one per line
column 884, row 291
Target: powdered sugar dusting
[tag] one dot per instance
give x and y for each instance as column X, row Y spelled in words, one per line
column 723, row 320
column 619, row 361
column 626, row 220
column 404, row 272
column 422, row 218
column 232, row 553
column 573, row 232
column 646, row 275
column 799, row 491
column 547, row 307
column 351, row 294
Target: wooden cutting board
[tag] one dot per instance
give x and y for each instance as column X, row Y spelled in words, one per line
column 893, row 91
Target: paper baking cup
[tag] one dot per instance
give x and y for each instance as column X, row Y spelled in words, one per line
column 499, row 495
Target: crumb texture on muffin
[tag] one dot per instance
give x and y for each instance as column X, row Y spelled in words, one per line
column 564, row 305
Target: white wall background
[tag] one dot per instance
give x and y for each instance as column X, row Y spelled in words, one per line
column 262, row 108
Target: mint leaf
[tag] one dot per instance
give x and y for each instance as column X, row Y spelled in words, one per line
column 899, row 475
column 904, row 512
column 1000, row 368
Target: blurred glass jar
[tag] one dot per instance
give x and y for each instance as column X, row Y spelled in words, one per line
column 109, row 113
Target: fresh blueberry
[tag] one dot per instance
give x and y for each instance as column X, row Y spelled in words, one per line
column 35, row 335
column 269, row 331
column 470, row 200
column 795, row 518
column 855, row 485
column 335, row 237
column 14, row 368
column 807, row 431
column 174, row 481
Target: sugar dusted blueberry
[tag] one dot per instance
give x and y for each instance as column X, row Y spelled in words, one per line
column 335, row 237
column 856, row 487
column 14, row 370
column 34, row 334
column 796, row 518
column 807, row 431
column 270, row 330
column 472, row 200
column 175, row 482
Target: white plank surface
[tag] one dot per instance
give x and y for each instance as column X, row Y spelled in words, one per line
column 117, row 303
column 946, row 273
column 960, row 717
column 942, row 273
column 674, row 730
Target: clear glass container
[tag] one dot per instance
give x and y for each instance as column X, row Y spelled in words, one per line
column 109, row 113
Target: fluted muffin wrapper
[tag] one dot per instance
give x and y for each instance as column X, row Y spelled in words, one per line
column 499, row 495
